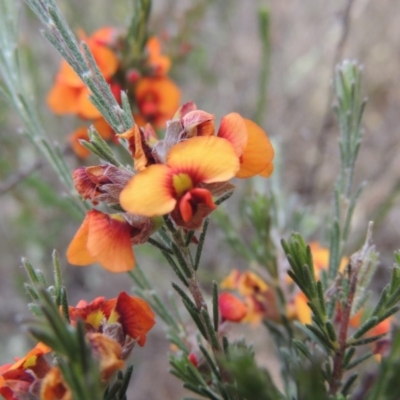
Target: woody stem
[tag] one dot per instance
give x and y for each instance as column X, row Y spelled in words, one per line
column 193, row 282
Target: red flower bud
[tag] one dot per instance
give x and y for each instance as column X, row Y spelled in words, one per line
column 231, row 308
column 133, row 75
column 193, row 359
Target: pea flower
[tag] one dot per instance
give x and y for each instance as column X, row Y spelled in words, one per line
column 122, row 318
column 259, row 298
column 250, row 142
column 157, row 99
column 22, row 379
column 176, row 186
column 69, row 95
column 108, row 239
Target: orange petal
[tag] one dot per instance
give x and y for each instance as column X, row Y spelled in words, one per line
column 303, row 311
column 103, row 128
column 381, row 329
column 250, row 284
column 62, row 99
column 206, row 158
column 54, row 387
column 231, row 308
column 67, row 76
column 109, row 241
column 258, row 154
column 85, row 107
column 136, row 143
column 231, row 281
column 160, row 64
column 233, row 129
column 255, row 311
column 157, row 99
column 74, row 137
column 104, row 36
column 108, row 352
column 153, row 46
column 136, row 316
column 267, row 171
column 77, row 253
column 355, row 320
column 30, row 359
column 92, row 313
column 149, row 193
column 170, row 96
column 139, row 120
column 105, row 58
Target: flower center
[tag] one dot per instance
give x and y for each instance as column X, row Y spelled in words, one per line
column 182, row 183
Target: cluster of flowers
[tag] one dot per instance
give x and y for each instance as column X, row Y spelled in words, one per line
column 257, row 300
column 153, row 96
column 177, row 176
column 113, row 327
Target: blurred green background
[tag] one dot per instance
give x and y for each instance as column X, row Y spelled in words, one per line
column 221, row 73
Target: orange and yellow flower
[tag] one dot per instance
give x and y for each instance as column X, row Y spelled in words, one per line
column 177, row 185
column 105, row 350
column 107, row 238
column 133, row 315
column 69, row 95
column 157, row 99
column 156, row 96
column 250, row 142
column 23, row 378
column 259, row 299
column 54, row 386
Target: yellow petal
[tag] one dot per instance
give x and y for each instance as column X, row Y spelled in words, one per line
column 207, row 159
column 303, row 311
column 150, row 192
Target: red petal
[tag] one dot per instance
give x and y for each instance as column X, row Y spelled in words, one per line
column 189, row 203
column 136, row 316
column 231, row 308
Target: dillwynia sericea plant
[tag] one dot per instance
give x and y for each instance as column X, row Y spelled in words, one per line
column 314, row 301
